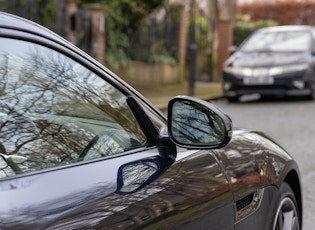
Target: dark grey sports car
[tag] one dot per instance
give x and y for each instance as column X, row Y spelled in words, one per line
column 80, row 149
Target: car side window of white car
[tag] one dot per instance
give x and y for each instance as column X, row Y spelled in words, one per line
column 55, row 111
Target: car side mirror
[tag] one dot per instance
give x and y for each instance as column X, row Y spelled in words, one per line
column 194, row 123
column 232, row 49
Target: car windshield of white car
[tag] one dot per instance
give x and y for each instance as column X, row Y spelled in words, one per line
column 280, row 41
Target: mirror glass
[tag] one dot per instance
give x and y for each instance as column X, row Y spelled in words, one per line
column 135, row 175
column 195, row 124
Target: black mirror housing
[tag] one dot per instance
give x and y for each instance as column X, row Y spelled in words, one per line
column 194, row 123
column 232, row 49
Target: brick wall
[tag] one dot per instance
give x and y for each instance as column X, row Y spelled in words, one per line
column 97, row 17
column 93, row 35
column 224, row 41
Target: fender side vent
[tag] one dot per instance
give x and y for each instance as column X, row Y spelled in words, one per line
column 248, row 204
column 244, row 202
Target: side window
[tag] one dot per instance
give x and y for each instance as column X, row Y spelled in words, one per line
column 54, row 111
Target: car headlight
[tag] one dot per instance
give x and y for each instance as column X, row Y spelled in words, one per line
column 288, row 69
column 264, row 71
column 237, row 71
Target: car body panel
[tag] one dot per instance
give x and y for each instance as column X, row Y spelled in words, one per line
column 86, row 196
column 254, row 162
column 195, row 182
column 242, row 158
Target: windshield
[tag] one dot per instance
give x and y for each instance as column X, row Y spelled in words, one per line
column 278, row 41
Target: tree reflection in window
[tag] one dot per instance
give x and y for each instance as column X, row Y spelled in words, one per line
column 51, row 107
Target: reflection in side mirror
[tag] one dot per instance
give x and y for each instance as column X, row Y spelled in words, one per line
column 3, row 162
column 194, row 123
column 138, row 174
column 4, row 167
column 12, row 162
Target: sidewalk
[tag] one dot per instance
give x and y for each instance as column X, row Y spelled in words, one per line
column 160, row 96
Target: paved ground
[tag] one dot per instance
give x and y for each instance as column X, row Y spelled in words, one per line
column 160, row 96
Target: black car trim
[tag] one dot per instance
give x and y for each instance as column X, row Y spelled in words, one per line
column 164, row 144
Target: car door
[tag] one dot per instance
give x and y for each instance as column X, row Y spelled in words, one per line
column 77, row 151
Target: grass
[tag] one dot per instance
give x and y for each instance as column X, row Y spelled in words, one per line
column 160, row 96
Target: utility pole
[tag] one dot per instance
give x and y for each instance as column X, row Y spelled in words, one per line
column 192, row 50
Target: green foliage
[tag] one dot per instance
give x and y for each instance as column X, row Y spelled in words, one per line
column 155, row 41
column 163, row 59
column 175, row 12
column 202, row 36
column 243, row 29
column 46, row 12
column 40, row 11
column 122, row 21
column 159, row 54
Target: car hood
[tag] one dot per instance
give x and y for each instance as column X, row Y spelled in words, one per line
column 266, row 59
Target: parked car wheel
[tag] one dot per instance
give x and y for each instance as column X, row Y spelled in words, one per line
column 287, row 215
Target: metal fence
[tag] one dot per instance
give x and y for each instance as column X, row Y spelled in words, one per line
column 42, row 12
column 52, row 14
column 156, row 41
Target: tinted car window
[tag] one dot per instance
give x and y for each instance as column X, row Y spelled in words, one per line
column 281, row 41
column 54, row 111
